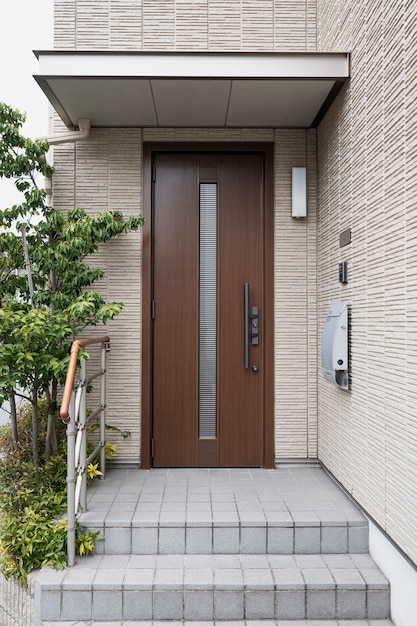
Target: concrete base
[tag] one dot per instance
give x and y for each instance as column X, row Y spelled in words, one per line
column 401, row 575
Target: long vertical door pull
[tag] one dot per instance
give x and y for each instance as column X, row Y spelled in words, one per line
column 247, row 330
column 251, row 328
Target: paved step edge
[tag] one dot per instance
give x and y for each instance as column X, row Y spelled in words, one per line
column 195, row 594
column 224, row 538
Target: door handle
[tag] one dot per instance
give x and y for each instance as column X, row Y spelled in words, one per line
column 247, row 331
column 251, row 326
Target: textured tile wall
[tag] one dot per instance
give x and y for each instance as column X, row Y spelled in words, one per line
column 295, row 302
column 367, row 152
column 186, row 24
column 102, row 173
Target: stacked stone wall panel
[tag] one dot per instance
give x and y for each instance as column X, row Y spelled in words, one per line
column 367, row 181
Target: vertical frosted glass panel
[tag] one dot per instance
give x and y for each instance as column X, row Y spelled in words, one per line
column 208, row 288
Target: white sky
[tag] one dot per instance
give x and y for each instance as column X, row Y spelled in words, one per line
column 26, row 25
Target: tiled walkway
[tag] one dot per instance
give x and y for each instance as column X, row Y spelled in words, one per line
column 170, row 496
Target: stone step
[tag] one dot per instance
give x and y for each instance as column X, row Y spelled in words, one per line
column 277, row 533
column 200, row 511
column 213, row 587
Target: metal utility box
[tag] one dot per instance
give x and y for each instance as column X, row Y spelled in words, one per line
column 334, row 345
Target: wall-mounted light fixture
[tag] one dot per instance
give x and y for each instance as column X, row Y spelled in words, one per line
column 343, row 272
column 299, row 192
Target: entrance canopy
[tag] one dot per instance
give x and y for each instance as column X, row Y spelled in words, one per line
column 180, row 89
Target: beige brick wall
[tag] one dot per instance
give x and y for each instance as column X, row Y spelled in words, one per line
column 295, row 302
column 186, row 24
column 102, row 173
column 367, row 181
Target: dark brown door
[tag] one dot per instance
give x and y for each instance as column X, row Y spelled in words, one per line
column 208, row 250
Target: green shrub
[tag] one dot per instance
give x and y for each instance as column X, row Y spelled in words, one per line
column 32, row 504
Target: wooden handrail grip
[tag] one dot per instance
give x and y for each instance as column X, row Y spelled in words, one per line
column 72, row 368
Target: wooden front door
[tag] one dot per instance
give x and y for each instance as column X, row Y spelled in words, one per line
column 208, row 309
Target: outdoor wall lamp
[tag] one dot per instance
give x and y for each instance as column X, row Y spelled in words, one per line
column 299, row 192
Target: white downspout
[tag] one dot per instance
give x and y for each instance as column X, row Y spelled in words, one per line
column 71, row 135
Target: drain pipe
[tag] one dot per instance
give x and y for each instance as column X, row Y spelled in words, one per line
column 70, row 136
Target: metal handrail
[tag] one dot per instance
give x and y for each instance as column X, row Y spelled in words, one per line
column 72, row 368
column 74, row 414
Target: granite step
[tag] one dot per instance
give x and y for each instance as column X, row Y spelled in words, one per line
column 214, row 587
column 274, row 533
column 289, row 511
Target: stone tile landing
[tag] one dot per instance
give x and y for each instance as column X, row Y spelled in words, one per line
column 276, row 547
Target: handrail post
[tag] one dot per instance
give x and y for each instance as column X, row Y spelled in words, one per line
column 104, row 348
column 73, row 413
column 71, row 526
column 82, row 425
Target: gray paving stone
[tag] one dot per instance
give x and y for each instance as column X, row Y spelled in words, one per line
column 170, row 561
column 258, row 579
column 139, row 579
column 168, row 579
column 307, row 540
column 280, row 540
column 348, row 578
column 111, row 561
column 226, row 540
column 198, row 605
column 78, row 579
column 49, row 607
column 109, row 579
column 195, row 578
column 168, row 605
column 137, row 604
column 199, row 561
column 288, row 579
column 253, row 540
column 228, row 605
column 228, row 561
column 172, row 540
column 107, row 604
column 259, row 605
column 290, row 605
column 118, row 540
column 378, row 604
column 358, row 539
column 199, row 540
column 334, row 539
column 321, row 604
column 350, row 604
column 310, row 561
column 228, row 579
column 374, row 578
column 339, row 561
column 318, row 578
column 145, row 540
column 258, row 561
column 76, row 605
column 142, row 561
column 280, row 561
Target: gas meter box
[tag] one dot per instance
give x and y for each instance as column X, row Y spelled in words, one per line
column 334, row 345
